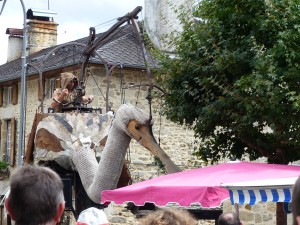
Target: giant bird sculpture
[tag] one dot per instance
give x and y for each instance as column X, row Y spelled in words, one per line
column 71, row 139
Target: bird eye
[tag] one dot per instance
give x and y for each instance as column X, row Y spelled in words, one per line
column 137, row 126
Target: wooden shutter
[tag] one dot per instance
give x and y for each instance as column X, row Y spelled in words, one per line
column 57, row 83
column 0, row 134
column 1, row 96
column 12, row 142
column 14, row 93
column 41, row 90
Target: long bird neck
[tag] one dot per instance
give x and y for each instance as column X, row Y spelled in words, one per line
column 104, row 175
column 112, row 159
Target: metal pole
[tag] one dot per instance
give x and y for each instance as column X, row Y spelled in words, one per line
column 23, row 91
column 236, row 209
column 2, row 6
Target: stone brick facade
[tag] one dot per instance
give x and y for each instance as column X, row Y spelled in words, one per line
column 41, row 35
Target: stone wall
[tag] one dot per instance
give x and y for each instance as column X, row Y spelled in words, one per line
column 258, row 214
column 119, row 215
column 41, row 35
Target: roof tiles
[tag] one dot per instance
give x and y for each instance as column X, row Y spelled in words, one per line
column 120, row 47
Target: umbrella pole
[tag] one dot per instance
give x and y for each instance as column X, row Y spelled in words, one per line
column 236, row 209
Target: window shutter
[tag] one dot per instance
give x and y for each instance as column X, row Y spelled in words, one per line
column 0, row 133
column 1, row 96
column 12, row 143
column 14, row 100
column 57, row 83
column 41, row 90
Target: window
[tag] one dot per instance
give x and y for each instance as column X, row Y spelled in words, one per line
column 9, row 150
column 8, row 140
column 1, row 96
column 51, row 87
column 8, row 95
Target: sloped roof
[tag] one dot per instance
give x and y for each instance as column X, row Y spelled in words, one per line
column 120, row 47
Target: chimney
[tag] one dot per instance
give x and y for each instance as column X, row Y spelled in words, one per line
column 42, row 30
column 14, row 43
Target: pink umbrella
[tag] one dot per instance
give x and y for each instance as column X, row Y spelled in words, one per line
column 199, row 186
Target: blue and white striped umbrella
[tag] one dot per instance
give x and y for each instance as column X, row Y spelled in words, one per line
column 252, row 192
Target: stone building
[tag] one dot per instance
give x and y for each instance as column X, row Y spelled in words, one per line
column 116, row 74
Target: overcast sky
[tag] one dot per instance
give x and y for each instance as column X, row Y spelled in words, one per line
column 74, row 17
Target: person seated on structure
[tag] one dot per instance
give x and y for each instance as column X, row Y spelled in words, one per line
column 67, row 93
column 229, row 218
column 36, row 196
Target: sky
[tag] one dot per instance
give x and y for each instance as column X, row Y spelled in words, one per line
column 73, row 16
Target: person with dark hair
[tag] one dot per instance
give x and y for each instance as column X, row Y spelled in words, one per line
column 229, row 218
column 169, row 217
column 36, row 196
column 296, row 202
column 66, row 93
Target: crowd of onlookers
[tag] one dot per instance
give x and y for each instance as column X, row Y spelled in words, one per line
column 36, row 198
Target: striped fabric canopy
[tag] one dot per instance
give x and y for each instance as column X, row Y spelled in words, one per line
column 252, row 192
column 252, row 197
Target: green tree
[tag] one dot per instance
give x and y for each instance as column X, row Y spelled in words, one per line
column 235, row 79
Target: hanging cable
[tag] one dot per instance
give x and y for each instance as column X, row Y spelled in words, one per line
column 88, row 72
column 140, row 40
column 128, row 159
column 139, row 91
column 122, row 89
column 160, row 120
column 98, row 87
column 107, row 22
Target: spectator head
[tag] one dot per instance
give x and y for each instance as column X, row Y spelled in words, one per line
column 229, row 219
column 169, row 217
column 92, row 216
column 36, row 196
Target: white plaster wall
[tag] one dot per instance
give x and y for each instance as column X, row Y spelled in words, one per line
column 14, row 48
column 161, row 19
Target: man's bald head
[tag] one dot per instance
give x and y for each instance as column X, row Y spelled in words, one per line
column 229, row 219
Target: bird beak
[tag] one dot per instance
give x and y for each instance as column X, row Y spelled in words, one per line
column 143, row 134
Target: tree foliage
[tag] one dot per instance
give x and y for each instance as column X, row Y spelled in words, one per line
column 235, row 79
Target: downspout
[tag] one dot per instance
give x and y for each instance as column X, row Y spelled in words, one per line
column 23, row 91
